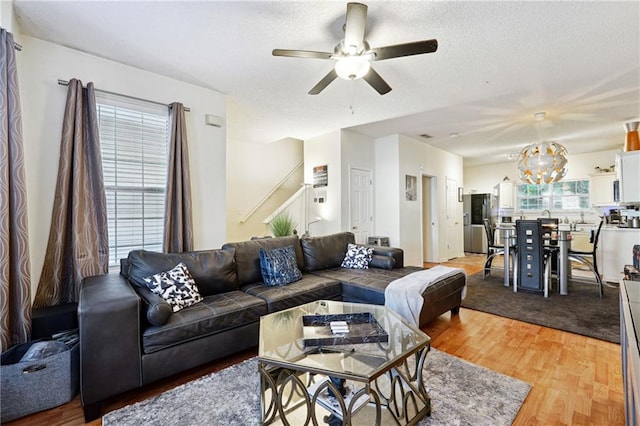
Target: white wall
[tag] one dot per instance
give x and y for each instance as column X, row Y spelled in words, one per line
column 416, row 159
column 41, row 64
column 253, row 170
column 483, row 178
column 357, row 152
column 320, row 151
column 401, row 220
column 387, row 189
column 7, row 17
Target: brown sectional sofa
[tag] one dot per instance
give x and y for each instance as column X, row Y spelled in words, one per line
column 129, row 337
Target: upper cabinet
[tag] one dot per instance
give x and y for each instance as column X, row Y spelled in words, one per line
column 628, row 169
column 601, row 189
column 505, row 191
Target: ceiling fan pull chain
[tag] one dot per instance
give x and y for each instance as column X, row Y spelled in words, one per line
column 353, row 111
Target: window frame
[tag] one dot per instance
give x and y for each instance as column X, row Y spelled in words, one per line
column 134, row 209
column 552, row 195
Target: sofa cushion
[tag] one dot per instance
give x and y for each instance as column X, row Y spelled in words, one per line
column 382, row 262
column 158, row 310
column 357, row 257
column 309, row 288
column 176, row 286
column 215, row 314
column 214, row 271
column 247, row 255
column 279, row 266
column 326, row 251
column 366, row 285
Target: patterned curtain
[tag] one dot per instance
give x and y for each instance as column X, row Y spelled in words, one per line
column 178, row 223
column 15, row 269
column 78, row 244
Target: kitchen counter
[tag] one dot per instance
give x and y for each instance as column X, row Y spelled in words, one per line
column 618, row 228
column 615, row 249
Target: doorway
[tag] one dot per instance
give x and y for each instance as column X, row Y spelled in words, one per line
column 361, row 204
column 430, row 219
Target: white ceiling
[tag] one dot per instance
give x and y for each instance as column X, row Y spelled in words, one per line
column 497, row 64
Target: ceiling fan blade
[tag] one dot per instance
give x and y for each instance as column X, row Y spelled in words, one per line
column 324, row 82
column 354, row 26
column 302, row 54
column 377, row 82
column 404, row 49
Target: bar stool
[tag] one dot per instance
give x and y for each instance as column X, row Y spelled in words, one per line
column 588, row 258
column 494, row 249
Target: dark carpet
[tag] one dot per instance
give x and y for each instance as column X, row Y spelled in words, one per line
column 581, row 311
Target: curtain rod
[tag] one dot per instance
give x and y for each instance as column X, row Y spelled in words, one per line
column 66, row 83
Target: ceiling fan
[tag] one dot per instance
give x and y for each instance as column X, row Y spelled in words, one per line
column 353, row 55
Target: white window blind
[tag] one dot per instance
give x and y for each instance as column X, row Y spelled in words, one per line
column 134, row 142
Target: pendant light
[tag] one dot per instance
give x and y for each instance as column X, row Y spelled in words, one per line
column 542, row 162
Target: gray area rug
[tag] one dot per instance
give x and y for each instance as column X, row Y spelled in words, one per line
column 461, row 393
column 581, row 311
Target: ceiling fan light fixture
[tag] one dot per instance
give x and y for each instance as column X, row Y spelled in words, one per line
column 352, row 67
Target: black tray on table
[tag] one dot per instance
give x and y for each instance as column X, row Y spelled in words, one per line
column 363, row 328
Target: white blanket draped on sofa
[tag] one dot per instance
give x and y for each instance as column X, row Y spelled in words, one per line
column 404, row 295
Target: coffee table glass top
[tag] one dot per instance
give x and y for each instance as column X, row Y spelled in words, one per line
column 282, row 342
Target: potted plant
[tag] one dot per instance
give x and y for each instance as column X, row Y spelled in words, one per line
column 282, row 225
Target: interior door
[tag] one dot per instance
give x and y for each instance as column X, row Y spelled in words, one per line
column 452, row 219
column 361, row 204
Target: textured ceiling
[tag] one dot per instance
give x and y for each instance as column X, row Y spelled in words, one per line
column 497, row 64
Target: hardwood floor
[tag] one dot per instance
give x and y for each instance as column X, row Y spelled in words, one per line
column 575, row 380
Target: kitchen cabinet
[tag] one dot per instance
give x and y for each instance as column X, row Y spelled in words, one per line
column 615, row 249
column 601, row 189
column 505, row 191
column 628, row 169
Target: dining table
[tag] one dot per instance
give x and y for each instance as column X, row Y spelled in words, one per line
column 563, row 237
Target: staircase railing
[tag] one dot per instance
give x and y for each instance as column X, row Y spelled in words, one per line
column 270, row 193
column 284, row 206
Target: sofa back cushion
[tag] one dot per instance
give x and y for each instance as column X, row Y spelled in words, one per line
column 247, row 254
column 326, row 251
column 214, row 271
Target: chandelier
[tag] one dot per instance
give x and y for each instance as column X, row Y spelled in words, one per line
column 542, row 162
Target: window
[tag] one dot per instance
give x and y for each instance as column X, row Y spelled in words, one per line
column 564, row 195
column 134, row 144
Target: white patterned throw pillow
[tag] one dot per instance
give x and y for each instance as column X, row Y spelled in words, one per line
column 176, row 286
column 357, row 257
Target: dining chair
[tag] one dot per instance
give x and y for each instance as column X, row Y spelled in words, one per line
column 533, row 259
column 588, row 258
column 549, row 227
column 494, row 249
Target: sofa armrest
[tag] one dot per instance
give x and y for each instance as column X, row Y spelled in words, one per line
column 397, row 254
column 109, row 327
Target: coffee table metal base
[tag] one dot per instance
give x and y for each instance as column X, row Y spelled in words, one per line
column 289, row 396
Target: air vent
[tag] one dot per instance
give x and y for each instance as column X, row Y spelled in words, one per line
column 426, row 136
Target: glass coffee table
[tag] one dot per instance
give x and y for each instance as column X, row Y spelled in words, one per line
column 371, row 374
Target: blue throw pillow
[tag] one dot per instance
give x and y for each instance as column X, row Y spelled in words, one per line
column 278, row 266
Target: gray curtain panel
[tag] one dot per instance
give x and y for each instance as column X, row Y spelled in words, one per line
column 178, row 222
column 78, row 244
column 15, row 268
